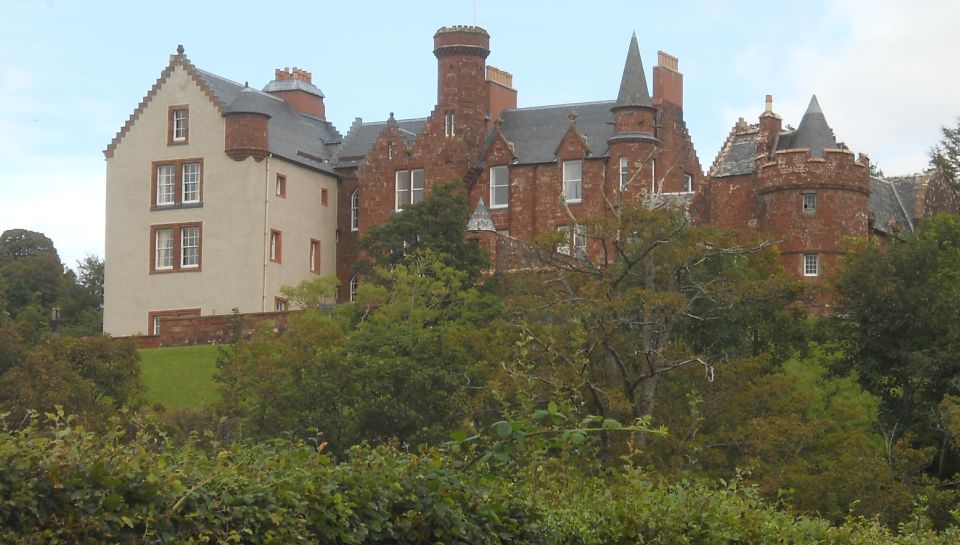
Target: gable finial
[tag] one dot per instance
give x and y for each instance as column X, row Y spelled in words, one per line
column 179, row 49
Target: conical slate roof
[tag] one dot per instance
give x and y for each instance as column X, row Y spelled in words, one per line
column 633, row 85
column 480, row 220
column 248, row 100
column 813, row 132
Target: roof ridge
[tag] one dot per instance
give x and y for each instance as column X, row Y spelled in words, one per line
column 544, row 107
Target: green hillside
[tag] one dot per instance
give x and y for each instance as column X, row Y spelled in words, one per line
column 180, row 377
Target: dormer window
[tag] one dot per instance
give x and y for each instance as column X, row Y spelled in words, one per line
column 499, row 187
column 573, row 181
column 408, row 188
column 178, row 125
column 448, row 124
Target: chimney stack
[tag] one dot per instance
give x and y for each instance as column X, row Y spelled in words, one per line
column 500, row 92
column 667, row 80
column 297, row 89
column 770, row 124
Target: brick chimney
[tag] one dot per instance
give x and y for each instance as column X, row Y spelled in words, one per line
column 667, row 81
column 297, row 89
column 500, row 92
column 770, row 124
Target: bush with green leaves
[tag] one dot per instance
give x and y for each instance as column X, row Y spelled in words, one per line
column 61, row 484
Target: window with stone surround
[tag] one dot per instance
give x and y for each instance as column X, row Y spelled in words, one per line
column 355, row 210
column 809, row 202
column 624, row 172
column 811, row 265
column 573, row 181
column 354, row 283
column 687, row 183
column 499, row 187
column 449, row 124
column 314, row 255
column 177, row 183
column 175, row 247
column 156, row 317
column 178, row 124
column 276, row 246
column 409, row 187
column 279, row 304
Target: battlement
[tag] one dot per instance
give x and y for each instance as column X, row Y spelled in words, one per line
column 461, row 40
column 838, row 169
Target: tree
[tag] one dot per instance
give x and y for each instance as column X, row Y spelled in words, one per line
column 798, row 432
column 94, row 376
column 945, row 156
column 437, row 224
column 31, row 268
column 89, row 276
column 397, row 363
column 615, row 319
column 905, row 329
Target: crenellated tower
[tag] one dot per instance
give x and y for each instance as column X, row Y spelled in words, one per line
column 812, row 192
column 462, row 92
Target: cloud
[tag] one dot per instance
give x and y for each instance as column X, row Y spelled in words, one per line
column 888, row 83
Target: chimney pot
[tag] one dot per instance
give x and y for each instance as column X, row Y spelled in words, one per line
column 768, row 108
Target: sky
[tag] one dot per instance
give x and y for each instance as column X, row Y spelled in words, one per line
column 71, row 72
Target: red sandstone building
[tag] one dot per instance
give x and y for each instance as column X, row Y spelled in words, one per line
column 529, row 166
column 282, row 196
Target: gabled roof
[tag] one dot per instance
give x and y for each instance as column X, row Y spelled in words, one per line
column 362, row 136
column 179, row 59
column 536, row 132
column 633, row 84
column 889, row 203
column 813, row 133
column 294, row 136
column 738, row 155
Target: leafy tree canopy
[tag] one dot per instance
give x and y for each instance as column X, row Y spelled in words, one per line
column 902, row 301
column 437, row 224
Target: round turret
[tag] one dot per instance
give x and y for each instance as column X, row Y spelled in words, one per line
column 813, row 198
column 246, row 126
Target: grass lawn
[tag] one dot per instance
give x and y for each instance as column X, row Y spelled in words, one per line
column 180, row 377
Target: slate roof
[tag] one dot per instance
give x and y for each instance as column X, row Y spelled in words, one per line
column 293, row 84
column 738, row 155
column 361, row 137
column 297, row 137
column 813, row 133
column 536, row 132
column 908, row 188
column 888, row 207
column 633, row 84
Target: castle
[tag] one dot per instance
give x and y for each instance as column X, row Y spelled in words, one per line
column 218, row 194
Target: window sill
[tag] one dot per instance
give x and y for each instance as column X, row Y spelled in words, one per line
column 499, row 206
column 574, row 201
column 177, row 270
column 156, row 207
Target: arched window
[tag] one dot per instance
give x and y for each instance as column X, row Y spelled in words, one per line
column 353, row 288
column 355, row 210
